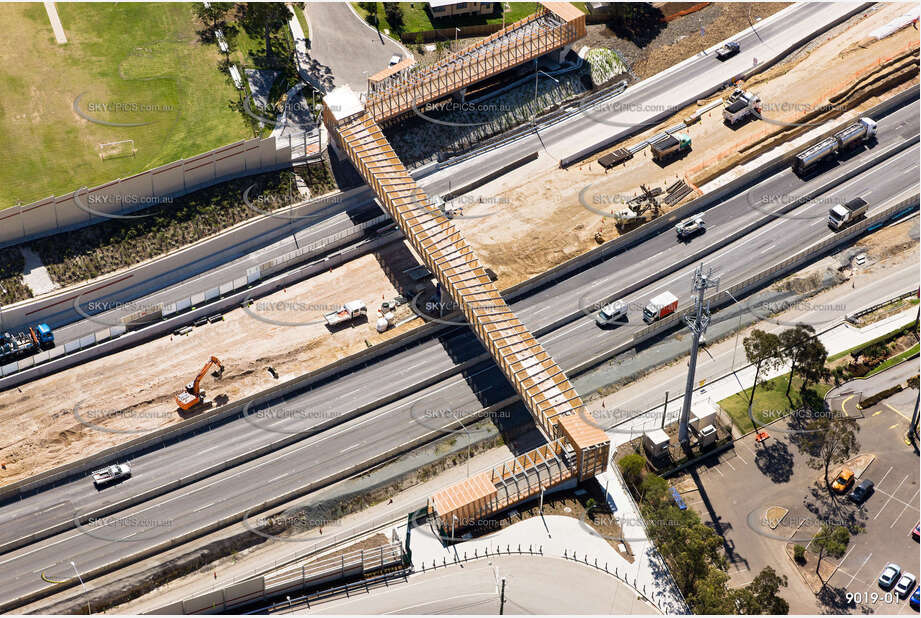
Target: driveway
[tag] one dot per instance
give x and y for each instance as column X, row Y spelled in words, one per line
column 344, row 50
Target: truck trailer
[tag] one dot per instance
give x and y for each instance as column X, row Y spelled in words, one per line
column 670, row 146
column 860, row 132
column 14, row 346
column 842, row 215
column 659, row 307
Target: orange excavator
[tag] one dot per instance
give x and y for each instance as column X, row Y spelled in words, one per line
column 193, row 395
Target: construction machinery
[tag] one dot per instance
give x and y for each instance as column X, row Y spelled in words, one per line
column 193, row 395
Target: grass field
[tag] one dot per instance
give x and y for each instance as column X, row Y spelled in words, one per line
column 770, row 403
column 124, row 63
column 416, row 18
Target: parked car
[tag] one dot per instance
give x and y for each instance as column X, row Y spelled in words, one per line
column 916, row 532
column 861, row 492
column 395, row 59
column 915, row 600
column 843, row 481
column 905, row 585
column 889, row 575
column 612, row 313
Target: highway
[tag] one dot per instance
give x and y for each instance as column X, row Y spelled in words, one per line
column 208, row 265
column 316, row 458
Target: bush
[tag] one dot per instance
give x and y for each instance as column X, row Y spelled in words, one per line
column 799, row 554
column 875, row 399
column 631, row 466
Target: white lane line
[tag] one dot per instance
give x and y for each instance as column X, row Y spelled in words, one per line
column 766, row 249
column 910, row 502
column 202, row 508
column 884, row 477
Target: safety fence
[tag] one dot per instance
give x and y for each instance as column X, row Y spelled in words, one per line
column 165, row 310
column 854, row 318
column 357, row 563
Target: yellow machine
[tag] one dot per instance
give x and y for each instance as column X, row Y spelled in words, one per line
column 193, row 395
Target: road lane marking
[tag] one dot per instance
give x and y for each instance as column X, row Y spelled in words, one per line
column 854, row 576
column 902, row 512
column 897, row 412
column 891, row 496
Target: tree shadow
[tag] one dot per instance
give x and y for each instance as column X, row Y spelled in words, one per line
column 639, row 23
column 834, row 600
column 775, row 461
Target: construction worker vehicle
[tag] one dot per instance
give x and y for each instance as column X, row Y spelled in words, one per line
column 348, row 312
column 728, row 50
column 193, row 395
column 14, row 346
column 670, row 146
column 740, row 105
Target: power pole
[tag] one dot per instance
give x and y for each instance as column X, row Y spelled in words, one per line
column 698, row 325
column 502, row 598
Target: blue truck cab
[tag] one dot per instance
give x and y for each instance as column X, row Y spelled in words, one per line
column 45, row 335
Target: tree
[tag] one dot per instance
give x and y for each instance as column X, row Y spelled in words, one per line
column 812, row 361
column 830, row 440
column 794, row 341
column 760, row 596
column 710, row 595
column 371, row 9
column 212, row 14
column 761, row 349
column 267, row 17
column 394, row 13
column 632, row 467
column 831, row 540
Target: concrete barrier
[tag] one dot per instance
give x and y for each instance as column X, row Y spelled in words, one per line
column 704, row 93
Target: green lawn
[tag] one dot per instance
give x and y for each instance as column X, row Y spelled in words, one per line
column 770, row 402
column 301, row 18
column 416, row 16
column 890, row 335
column 128, row 63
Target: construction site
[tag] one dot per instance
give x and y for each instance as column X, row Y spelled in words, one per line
column 454, row 261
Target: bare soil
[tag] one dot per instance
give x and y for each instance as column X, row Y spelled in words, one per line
column 132, row 391
column 537, row 222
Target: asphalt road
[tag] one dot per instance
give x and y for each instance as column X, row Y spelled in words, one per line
column 199, row 268
column 314, row 459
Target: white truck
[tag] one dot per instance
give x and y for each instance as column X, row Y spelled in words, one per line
column 727, row 50
column 659, row 307
column 842, row 215
column 348, row 312
column 740, row 105
column 690, row 226
column 612, row 313
column 111, row 474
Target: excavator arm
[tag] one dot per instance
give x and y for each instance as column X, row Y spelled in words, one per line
column 192, row 395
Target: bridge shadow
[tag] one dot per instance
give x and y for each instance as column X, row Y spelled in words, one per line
column 715, row 521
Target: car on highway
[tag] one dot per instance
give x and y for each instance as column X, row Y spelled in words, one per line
column 915, row 600
column 889, row 575
column 612, row 313
column 728, row 50
column 843, row 481
column 690, row 227
column 861, row 492
column 905, row 585
column 111, row 474
column 916, row 532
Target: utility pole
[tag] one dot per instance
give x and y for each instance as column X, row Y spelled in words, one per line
column 698, row 325
column 502, row 598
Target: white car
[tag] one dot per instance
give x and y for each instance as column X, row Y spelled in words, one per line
column 395, row 59
column 691, row 226
column 905, row 585
column 889, row 575
column 612, row 313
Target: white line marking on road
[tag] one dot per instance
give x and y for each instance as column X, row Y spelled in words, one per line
column 202, row 508
column 902, row 512
column 854, row 576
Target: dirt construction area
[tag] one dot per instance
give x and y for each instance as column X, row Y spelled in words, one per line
column 69, row 415
column 533, row 221
column 532, row 225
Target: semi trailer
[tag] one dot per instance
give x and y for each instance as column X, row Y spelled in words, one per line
column 858, row 133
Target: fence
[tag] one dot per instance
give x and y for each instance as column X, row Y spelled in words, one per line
column 724, row 296
column 854, row 318
column 168, row 310
column 351, row 564
column 83, row 207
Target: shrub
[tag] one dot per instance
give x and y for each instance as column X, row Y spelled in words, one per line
column 799, row 554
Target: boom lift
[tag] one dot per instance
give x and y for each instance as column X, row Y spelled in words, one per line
column 193, row 395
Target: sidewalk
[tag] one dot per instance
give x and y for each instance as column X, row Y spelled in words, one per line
column 722, row 366
column 556, row 536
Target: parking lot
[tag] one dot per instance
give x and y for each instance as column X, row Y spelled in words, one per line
column 764, row 498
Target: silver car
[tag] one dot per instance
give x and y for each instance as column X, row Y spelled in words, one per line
column 691, row 226
column 889, row 575
column 905, row 584
column 612, row 313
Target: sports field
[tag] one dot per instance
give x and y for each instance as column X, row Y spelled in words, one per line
column 129, row 71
